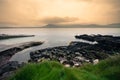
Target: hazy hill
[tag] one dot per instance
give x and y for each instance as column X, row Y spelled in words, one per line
column 117, row 25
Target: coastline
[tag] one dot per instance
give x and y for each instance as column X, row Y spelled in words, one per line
column 78, row 53
column 74, row 55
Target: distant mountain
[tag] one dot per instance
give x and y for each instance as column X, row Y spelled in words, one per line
column 114, row 25
column 117, row 25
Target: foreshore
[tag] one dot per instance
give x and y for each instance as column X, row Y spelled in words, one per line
column 78, row 53
column 74, row 55
column 5, row 55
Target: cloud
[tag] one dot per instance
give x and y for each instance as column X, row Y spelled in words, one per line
column 55, row 20
column 18, row 11
column 38, row 12
column 114, row 9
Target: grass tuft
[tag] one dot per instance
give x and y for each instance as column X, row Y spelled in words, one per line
column 108, row 69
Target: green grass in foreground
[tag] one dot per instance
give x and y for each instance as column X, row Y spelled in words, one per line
column 108, row 69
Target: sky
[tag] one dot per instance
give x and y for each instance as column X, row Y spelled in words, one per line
column 42, row 12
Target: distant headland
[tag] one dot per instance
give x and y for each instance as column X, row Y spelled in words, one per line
column 114, row 25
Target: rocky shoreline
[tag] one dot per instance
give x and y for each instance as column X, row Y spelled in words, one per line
column 73, row 55
column 9, row 69
column 78, row 53
column 5, row 64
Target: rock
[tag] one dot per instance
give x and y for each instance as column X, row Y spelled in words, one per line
column 80, row 58
column 67, row 65
column 7, row 69
column 7, row 75
column 76, row 65
column 78, row 54
column 62, row 60
column 10, row 66
column 88, row 61
column 85, row 37
column 95, row 61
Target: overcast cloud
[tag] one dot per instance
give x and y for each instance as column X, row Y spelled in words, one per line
column 38, row 12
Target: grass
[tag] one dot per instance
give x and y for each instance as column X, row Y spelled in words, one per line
column 108, row 69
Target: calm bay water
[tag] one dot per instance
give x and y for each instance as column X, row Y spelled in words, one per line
column 51, row 36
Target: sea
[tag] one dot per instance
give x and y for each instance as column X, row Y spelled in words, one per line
column 51, row 37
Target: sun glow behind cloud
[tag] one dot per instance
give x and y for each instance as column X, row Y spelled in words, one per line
column 39, row 12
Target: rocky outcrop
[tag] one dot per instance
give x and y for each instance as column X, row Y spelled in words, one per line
column 98, row 37
column 108, row 43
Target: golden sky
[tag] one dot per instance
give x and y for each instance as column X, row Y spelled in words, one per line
column 40, row 12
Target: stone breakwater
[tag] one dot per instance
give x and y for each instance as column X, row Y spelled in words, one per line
column 77, row 53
